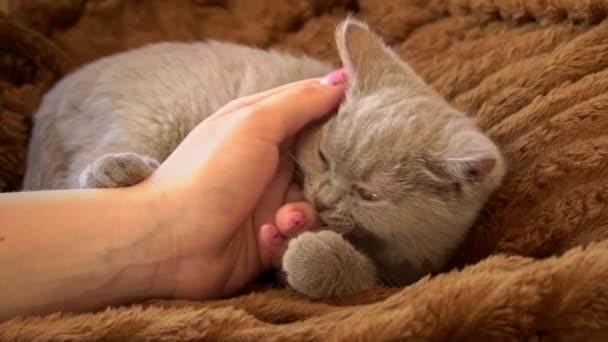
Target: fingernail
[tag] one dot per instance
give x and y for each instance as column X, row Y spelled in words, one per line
column 296, row 220
column 335, row 77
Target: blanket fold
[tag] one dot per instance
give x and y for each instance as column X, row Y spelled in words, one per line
column 29, row 65
column 534, row 74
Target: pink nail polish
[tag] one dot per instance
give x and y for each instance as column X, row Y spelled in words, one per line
column 296, row 220
column 335, row 77
column 270, row 230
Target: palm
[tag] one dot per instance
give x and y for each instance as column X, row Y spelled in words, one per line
column 239, row 182
column 227, row 269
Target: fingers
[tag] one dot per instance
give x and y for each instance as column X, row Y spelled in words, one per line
column 335, row 77
column 271, row 237
column 290, row 220
column 294, row 218
column 274, row 194
column 273, row 243
column 285, row 112
column 296, row 215
column 255, row 98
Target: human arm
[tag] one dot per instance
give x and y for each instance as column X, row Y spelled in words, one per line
column 79, row 249
column 200, row 227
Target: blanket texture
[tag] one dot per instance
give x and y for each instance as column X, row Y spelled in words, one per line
column 534, row 73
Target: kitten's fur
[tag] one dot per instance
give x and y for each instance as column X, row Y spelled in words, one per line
column 144, row 101
column 398, row 175
column 429, row 166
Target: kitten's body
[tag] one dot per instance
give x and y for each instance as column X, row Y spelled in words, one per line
column 397, row 172
column 146, row 101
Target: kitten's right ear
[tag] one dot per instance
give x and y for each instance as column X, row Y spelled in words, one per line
column 370, row 64
column 473, row 156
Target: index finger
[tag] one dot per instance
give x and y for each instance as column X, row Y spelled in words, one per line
column 283, row 114
column 249, row 100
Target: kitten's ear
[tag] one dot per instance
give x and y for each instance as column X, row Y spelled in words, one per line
column 474, row 157
column 473, row 169
column 369, row 62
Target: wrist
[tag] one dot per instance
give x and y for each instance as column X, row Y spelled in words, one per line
column 112, row 247
column 152, row 254
column 150, row 257
column 139, row 252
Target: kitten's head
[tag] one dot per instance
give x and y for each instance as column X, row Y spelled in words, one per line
column 396, row 158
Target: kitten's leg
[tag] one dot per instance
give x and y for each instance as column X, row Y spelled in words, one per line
column 117, row 170
column 323, row 264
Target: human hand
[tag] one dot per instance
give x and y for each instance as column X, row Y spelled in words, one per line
column 227, row 189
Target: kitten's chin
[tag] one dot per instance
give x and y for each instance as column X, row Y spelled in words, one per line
column 324, row 222
column 362, row 236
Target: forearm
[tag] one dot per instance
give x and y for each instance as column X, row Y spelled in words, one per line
column 93, row 248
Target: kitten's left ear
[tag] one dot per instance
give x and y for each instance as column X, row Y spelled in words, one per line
column 474, row 157
column 370, row 63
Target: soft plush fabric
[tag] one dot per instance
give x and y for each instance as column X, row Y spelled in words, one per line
column 29, row 64
column 533, row 72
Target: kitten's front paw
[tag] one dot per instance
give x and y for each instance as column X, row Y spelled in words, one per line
column 323, row 265
column 117, row 171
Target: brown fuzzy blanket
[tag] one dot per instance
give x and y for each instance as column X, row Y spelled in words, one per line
column 535, row 74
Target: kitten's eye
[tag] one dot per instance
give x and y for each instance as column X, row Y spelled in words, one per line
column 367, row 195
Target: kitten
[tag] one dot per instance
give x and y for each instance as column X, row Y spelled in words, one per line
column 397, row 174
column 112, row 121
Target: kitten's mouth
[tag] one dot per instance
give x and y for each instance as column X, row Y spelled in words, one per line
column 320, row 224
column 333, row 225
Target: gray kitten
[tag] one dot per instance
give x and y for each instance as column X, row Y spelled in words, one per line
column 397, row 175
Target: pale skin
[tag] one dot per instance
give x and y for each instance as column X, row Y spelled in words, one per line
column 214, row 216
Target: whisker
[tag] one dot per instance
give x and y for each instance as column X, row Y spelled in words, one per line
column 319, row 225
column 295, row 160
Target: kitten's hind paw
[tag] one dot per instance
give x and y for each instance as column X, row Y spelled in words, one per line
column 117, row 170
